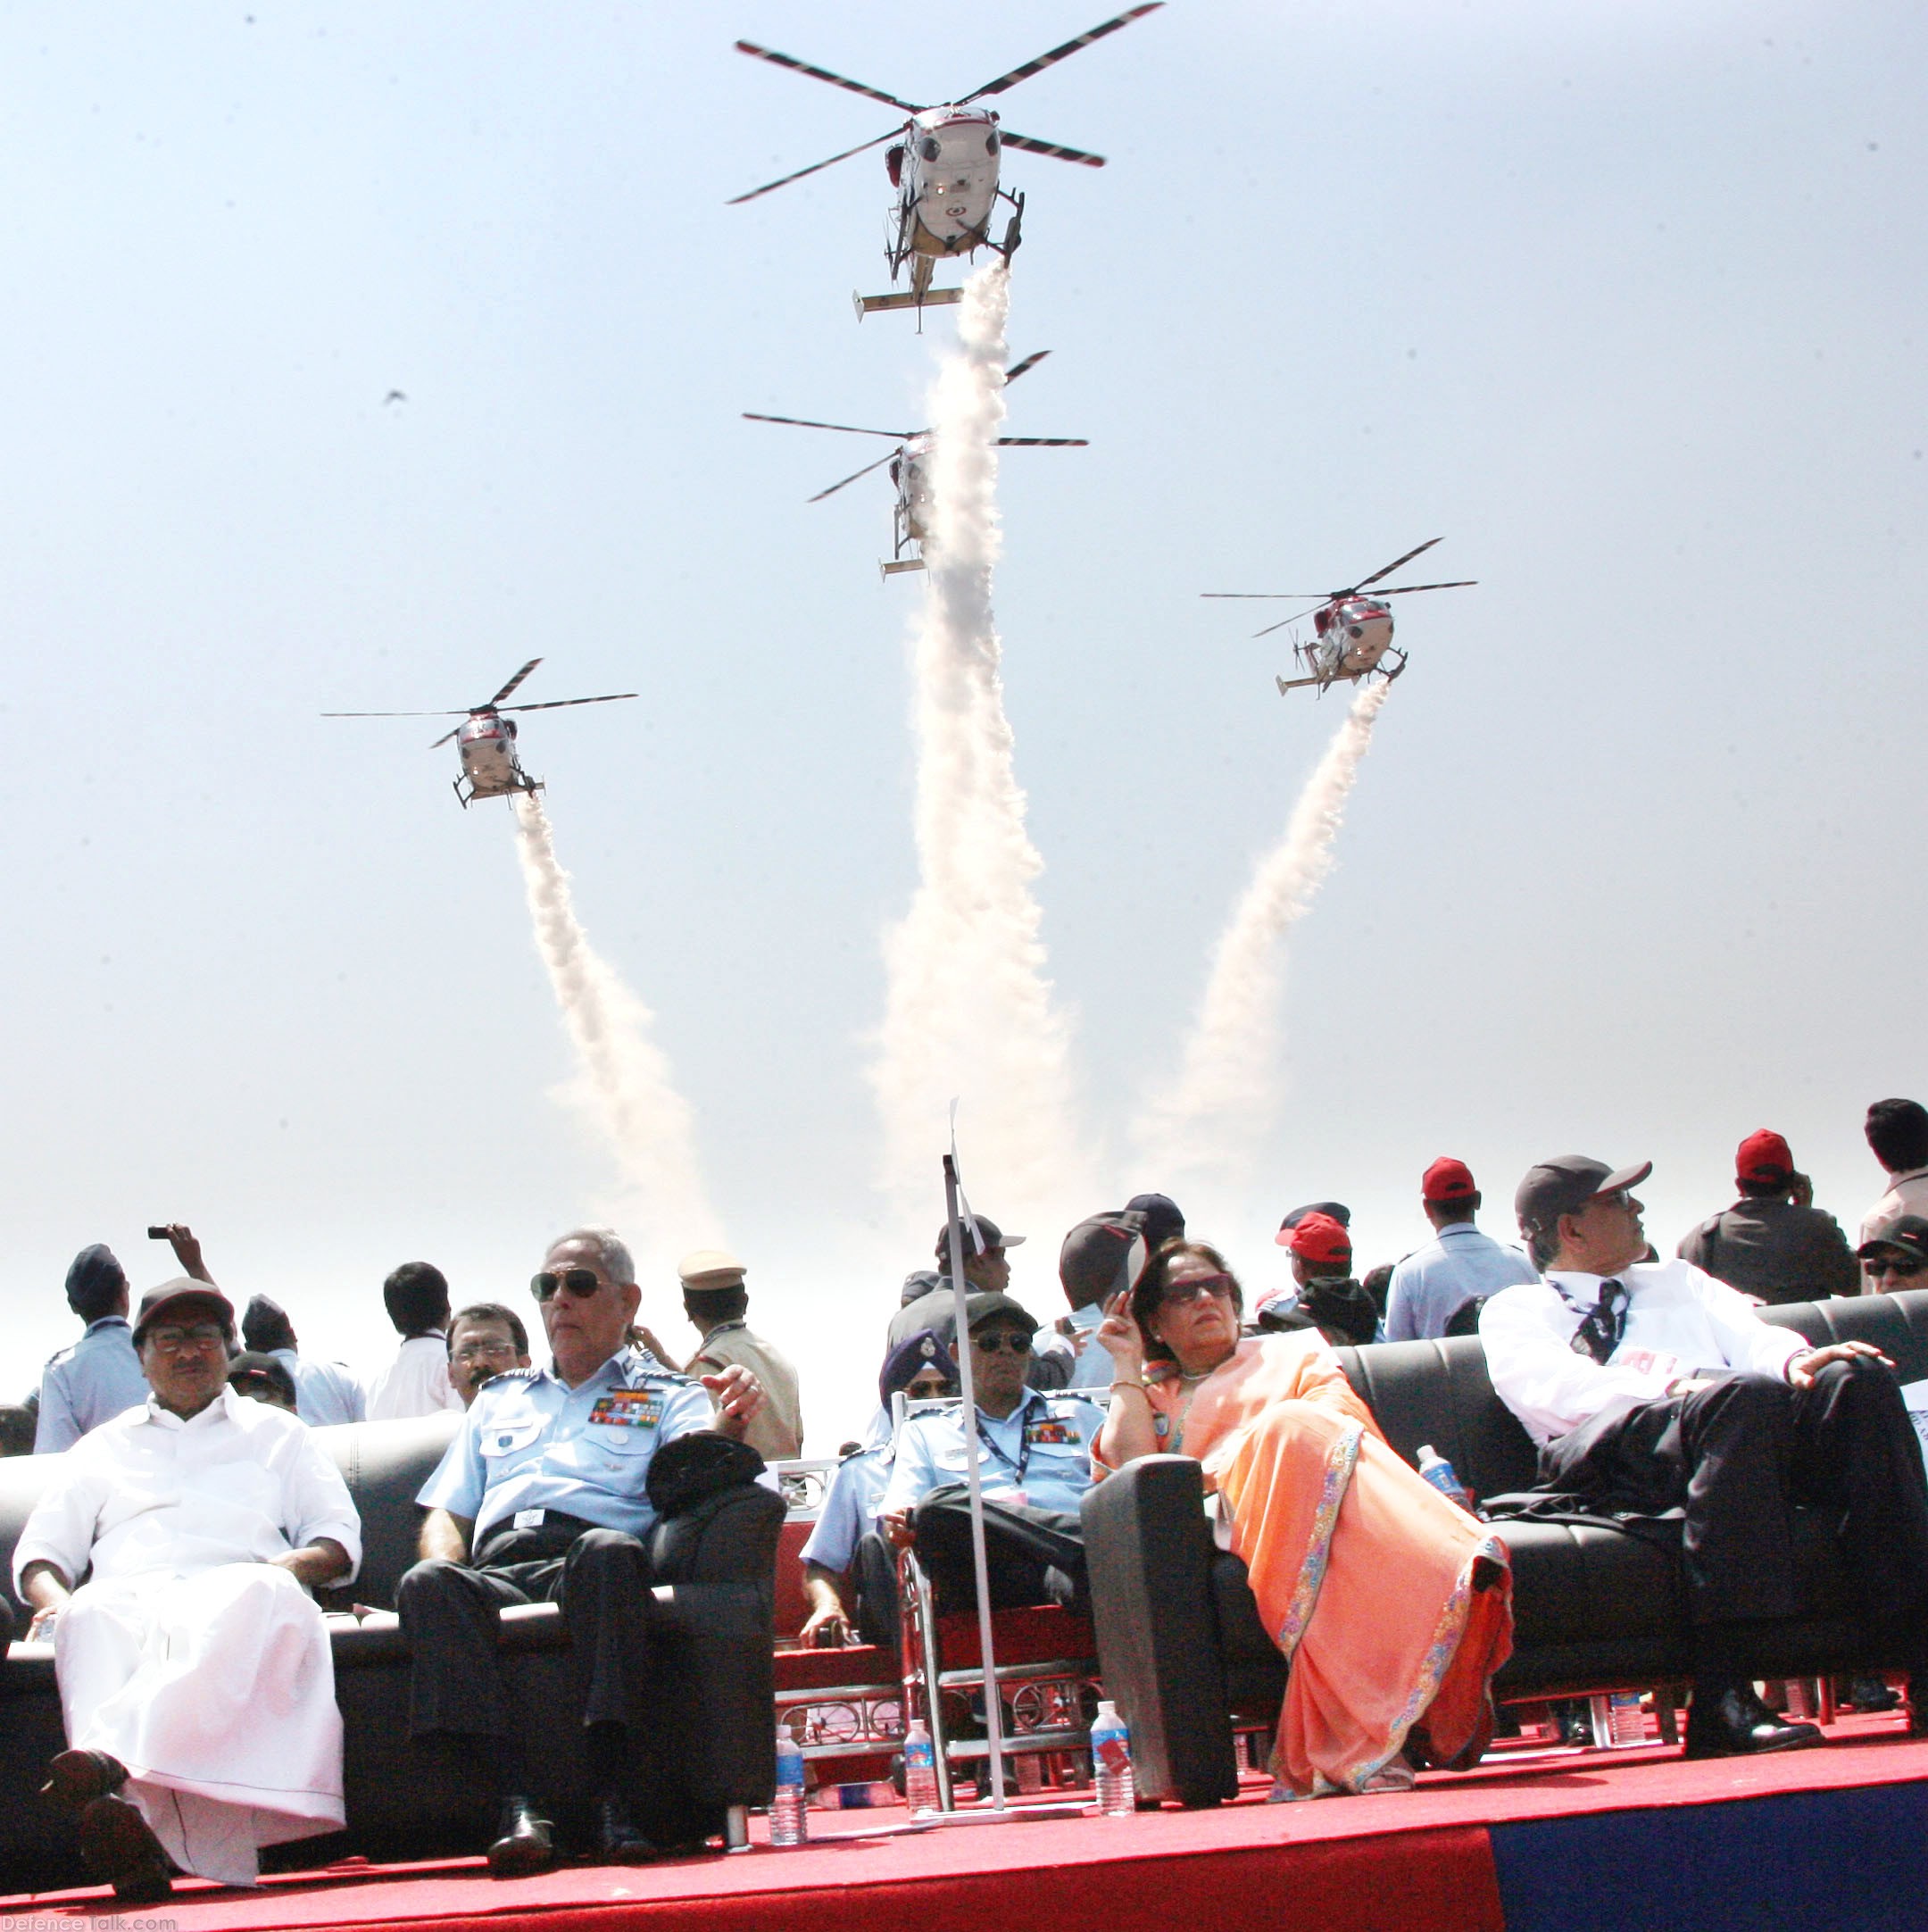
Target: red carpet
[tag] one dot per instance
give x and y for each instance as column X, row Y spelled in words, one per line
column 1423, row 1862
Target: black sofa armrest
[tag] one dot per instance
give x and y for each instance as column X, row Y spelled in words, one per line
column 1149, row 1553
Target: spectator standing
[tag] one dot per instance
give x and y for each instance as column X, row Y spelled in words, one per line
column 1101, row 1259
column 1459, row 1265
column 263, row 1377
column 417, row 1381
column 1328, row 1300
column 986, row 1271
column 718, row 1304
column 1772, row 1242
column 1164, row 1219
column 100, row 1375
column 1896, row 1133
column 326, row 1393
column 485, row 1340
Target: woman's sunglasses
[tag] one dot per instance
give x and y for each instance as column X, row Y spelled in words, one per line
column 1191, row 1286
column 582, row 1282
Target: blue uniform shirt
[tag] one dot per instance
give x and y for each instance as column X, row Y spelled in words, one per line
column 849, row 1509
column 1039, row 1453
column 530, row 1442
column 1431, row 1284
column 326, row 1393
column 88, row 1384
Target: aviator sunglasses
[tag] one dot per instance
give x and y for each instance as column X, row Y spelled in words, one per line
column 998, row 1339
column 1877, row 1265
column 582, row 1282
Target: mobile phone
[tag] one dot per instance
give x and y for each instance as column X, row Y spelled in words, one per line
column 157, row 1234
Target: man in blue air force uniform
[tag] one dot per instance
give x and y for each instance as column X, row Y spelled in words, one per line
column 541, row 1498
column 1034, row 1461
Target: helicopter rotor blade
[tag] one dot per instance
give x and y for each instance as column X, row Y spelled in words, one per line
column 1056, row 150
column 855, row 474
column 1394, row 565
column 816, row 167
column 495, row 703
column 848, row 428
column 1400, row 590
column 1030, row 362
column 824, row 73
column 1005, row 82
column 1276, row 596
column 1043, row 442
column 563, row 704
column 444, row 739
column 395, row 713
column 1283, row 621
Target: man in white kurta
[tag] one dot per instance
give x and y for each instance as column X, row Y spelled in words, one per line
column 194, row 1658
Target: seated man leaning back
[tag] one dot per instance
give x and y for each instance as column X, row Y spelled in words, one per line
column 1034, row 1455
column 195, row 1679
column 541, row 1498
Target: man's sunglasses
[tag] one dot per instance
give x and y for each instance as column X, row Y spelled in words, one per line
column 582, row 1282
column 1877, row 1265
column 999, row 1339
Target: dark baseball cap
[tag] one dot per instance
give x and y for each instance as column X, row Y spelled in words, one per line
column 1907, row 1232
column 989, row 1235
column 183, row 1299
column 1164, row 1219
column 1104, row 1256
column 1566, row 1184
column 980, row 1309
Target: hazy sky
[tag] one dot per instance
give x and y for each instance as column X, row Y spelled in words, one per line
column 1624, row 300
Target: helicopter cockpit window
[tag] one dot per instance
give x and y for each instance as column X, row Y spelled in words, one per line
column 894, row 164
column 989, row 142
column 930, row 149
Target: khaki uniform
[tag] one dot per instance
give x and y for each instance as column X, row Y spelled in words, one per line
column 776, row 1430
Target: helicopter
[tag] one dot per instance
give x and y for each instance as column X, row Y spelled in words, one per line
column 1351, row 634
column 486, row 739
column 944, row 164
column 911, row 471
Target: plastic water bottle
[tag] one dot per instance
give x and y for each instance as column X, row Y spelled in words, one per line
column 920, row 1768
column 1440, row 1473
column 1111, row 1755
column 1625, row 1723
column 789, row 1816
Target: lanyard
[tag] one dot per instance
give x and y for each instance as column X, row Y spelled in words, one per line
column 1023, row 1462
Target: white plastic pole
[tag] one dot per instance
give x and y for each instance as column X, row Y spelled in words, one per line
column 993, row 1708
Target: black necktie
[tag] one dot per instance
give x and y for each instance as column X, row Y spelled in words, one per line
column 1602, row 1326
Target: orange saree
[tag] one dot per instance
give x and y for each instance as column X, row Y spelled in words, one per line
column 1364, row 1572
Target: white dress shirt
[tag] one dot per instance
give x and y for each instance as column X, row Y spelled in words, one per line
column 1907, row 1194
column 1679, row 1321
column 415, row 1383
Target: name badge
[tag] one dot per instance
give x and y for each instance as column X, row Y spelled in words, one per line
column 1051, row 1432
column 627, row 1408
column 529, row 1518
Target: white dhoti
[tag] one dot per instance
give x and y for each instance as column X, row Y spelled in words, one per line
column 217, row 1692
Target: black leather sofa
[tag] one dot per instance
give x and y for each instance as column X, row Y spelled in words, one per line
column 1185, row 1657
column 713, row 1750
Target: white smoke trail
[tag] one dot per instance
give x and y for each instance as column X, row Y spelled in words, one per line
column 626, row 1085
column 969, row 1008
column 1210, row 1120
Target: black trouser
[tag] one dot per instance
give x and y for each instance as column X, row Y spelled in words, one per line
column 1735, row 1457
column 1031, row 1556
column 601, row 1578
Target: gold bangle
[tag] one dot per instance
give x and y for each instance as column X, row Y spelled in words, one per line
column 1140, row 1386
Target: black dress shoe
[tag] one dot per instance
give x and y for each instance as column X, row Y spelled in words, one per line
column 76, row 1778
column 619, row 1840
column 525, row 1841
column 1737, row 1723
column 117, row 1846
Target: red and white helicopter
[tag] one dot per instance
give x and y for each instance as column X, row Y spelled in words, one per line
column 487, row 739
column 944, row 164
column 909, row 470
column 1351, row 634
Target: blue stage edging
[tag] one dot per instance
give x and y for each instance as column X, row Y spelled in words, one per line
column 1850, row 1861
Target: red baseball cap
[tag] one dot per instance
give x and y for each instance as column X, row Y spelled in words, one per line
column 1318, row 1237
column 1447, row 1179
column 1763, row 1156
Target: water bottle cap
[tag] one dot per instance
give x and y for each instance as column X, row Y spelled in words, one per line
column 1107, row 1709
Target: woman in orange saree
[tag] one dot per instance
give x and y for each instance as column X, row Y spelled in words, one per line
column 1392, row 1606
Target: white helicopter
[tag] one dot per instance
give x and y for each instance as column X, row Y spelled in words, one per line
column 1351, row 634
column 944, row 168
column 909, row 464
column 487, row 740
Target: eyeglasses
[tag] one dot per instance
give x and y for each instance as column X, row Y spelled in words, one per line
column 484, row 1352
column 171, row 1341
column 1190, row 1287
column 1876, row 1265
column 582, row 1282
column 999, row 1339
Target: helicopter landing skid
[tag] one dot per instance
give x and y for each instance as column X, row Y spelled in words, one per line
column 1013, row 228
column 904, row 298
column 901, row 565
